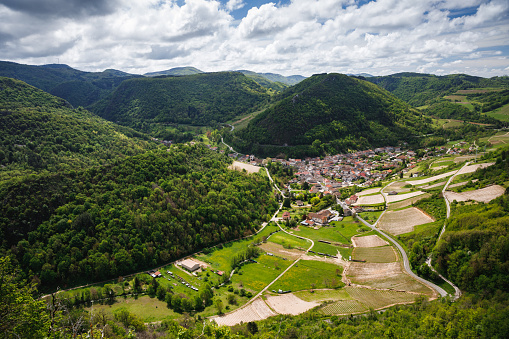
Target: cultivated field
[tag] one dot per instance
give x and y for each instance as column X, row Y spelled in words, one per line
column 368, row 241
column 482, row 195
column 289, row 304
column 365, row 272
column 407, row 202
column 280, row 251
column 400, row 197
column 370, row 200
column 307, row 274
column 403, row 221
column 255, row 311
column 239, row 166
column 438, row 184
column 383, row 254
column 369, row 191
column 323, row 295
column 425, row 181
column 473, row 168
column 343, row 307
column 378, row 299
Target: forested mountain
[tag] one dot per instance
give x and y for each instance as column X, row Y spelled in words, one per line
column 420, row 89
column 176, row 71
column 199, row 99
column 39, row 131
column 275, row 78
column 264, row 81
column 331, row 112
column 77, row 87
column 137, row 213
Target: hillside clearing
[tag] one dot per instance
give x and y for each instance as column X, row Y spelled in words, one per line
column 400, row 197
column 403, row 221
column 383, row 254
column 239, row 166
column 482, row 195
column 370, row 200
column 369, row 241
column 425, row 181
column 473, row 168
column 255, row 311
column 289, row 304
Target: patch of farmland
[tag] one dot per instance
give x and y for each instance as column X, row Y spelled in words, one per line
column 407, row 202
column 343, row 307
column 320, row 295
column 255, row 311
column 369, row 191
column 400, row 197
column 280, row 251
column 397, row 186
column 370, row 200
column 482, row 195
column 438, row 184
column 239, row 166
column 383, row 254
column 289, row 304
column 379, row 299
column 425, row 181
column 403, row 221
column 473, row 168
column 368, row 241
column 461, row 183
column 363, row 272
column 399, row 282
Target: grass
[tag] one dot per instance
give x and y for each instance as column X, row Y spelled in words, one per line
column 443, row 163
column 305, row 273
column 375, row 254
column 370, row 217
column 289, row 241
column 146, row 308
column 322, row 295
column 331, row 249
column 255, row 276
column 343, row 307
column 452, row 124
column 501, row 113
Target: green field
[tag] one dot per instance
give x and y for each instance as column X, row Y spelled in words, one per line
column 375, row 254
column 323, row 295
column 370, row 217
column 501, row 113
column 255, row 276
column 343, row 307
column 305, row 273
column 289, row 241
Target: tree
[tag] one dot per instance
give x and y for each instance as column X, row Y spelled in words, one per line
column 286, row 203
column 20, row 315
column 219, row 306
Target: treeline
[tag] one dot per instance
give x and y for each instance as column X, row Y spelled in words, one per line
column 198, row 99
column 40, row 132
column 137, row 213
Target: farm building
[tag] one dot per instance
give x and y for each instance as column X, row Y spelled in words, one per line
column 286, row 215
column 190, row 265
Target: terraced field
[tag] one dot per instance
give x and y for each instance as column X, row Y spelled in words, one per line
column 383, row 254
column 403, row 221
column 343, row 307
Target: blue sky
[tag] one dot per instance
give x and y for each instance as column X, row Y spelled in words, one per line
column 287, row 37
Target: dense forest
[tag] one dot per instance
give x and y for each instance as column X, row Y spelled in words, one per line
column 41, row 132
column 77, row 87
column 450, row 110
column 137, row 213
column 199, row 99
column 420, row 89
column 333, row 113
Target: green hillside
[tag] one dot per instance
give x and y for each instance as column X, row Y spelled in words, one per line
column 77, row 87
column 176, row 71
column 420, row 89
column 140, row 212
column 39, row 131
column 199, row 99
column 331, row 112
column 277, row 86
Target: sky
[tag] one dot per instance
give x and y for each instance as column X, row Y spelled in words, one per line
column 287, row 37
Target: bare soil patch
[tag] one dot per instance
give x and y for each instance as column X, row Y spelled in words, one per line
column 364, row 272
column 400, row 197
column 383, row 254
column 403, row 221
column 370, row 200
column 473, row 168
column 368, row 241
column 369, row 191
column 436, row 177
column 289, row 304
column 438, row 184
column 280, row 251
column 408, row 202
column 255, row 311
column 482, row 195
column 239, row 166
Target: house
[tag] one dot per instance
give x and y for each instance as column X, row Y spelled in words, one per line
column 321, row 217
column 308, row 223
column 286, row 215
column 190, row 265
column 299, row 203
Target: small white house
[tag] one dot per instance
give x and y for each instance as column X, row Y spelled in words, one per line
column 190, row 265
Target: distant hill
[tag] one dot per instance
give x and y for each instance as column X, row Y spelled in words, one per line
column 77, row 87
column 421, row 89
column 39, row 131
column 199, row 99
column 176, row 71
column 262, row 80
column 331, row 112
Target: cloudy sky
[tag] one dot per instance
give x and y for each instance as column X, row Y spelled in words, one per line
column 287, row 37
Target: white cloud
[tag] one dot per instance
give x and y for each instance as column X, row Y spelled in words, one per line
column 302, row 37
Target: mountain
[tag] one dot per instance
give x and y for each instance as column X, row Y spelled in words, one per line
column 262, row 80
column 343, row 112
column 39, row 131
column 142, row 211
column 420, row 89
column 199, row 99
column 289, row 80
column 77, row 87
column 176, row 71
